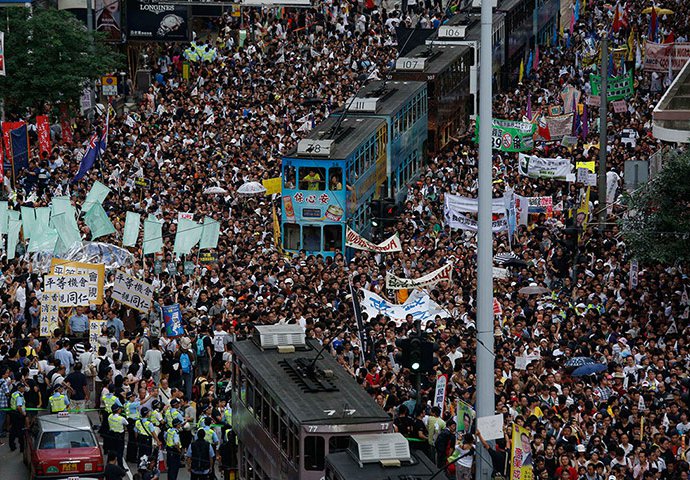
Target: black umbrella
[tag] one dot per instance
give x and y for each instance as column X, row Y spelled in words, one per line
column 578, row 362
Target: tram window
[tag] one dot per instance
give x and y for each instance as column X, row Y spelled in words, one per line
column 289, row 177
column 338, row 443
column 312, row 178
column 314, row 452
column 275, row 423
column 333, row 238
column 291, row 236
column 335, row 182
column 311, row 238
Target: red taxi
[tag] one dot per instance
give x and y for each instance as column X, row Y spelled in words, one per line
column 63, row 446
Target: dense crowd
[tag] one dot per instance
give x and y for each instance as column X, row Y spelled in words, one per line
column 229, row 124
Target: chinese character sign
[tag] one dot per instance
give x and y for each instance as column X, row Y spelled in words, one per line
column 72, row 290
column 95, row 328
column 521, row 455
column 172, row 319
column 49, row 314
column 95, row 272
column 132, row 292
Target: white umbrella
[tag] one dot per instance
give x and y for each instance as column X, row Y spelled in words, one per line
column 212, row 190
column 251, row 188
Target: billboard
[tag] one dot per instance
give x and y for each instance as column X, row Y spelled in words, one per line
column 108, row 19
column 156, row 21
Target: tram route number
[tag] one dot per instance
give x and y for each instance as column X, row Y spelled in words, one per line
column 407, row 63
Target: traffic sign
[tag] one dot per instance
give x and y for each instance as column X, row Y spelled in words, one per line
column 109, row 84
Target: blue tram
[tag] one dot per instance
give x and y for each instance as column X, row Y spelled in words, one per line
column 328, row 181
column 403, row 104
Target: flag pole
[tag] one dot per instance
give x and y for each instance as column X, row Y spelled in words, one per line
column 603, row 110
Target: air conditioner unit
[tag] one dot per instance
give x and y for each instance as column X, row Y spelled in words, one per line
column 379, row 447
column 273, row 336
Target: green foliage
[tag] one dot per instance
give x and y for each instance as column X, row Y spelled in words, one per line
column 49, row 58
column 658, row 227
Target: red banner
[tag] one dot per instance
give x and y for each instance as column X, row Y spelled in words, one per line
column 43, row 129
column 657, row 56
column 7, row 127
column 66, row 125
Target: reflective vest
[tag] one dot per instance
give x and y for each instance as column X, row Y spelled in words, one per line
column 227, row 416
column 208, row 434
column 108, row 402
column 57, row 403
column 156, row 417
column 115, row 422
column 171, row 438
column 200, row 424
column 132, row 410
column 170, row 415
column 14, row 399
column 143, row 427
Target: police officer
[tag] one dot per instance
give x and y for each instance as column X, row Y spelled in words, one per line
column 58, row 400
column 228, row 453
column 209, row 434
column 131, row 412
column 145, row 431
column 17, row 417
column 205, row 413
column 173, row 448
column 117, row 425
column 173, row 412
column 108, row 401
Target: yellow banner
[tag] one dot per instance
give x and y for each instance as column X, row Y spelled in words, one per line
column 96, row 272
column 272, row 185
column 521, row 455
column 591, row 166
column 582, row 218
column 276, row 229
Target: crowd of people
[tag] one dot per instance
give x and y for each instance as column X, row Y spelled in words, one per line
column 245, row 107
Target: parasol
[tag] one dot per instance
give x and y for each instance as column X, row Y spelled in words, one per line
column 251, row 188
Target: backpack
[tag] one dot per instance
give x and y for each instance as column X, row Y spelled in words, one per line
column 185, row 363
column 103, row 368
column 200, row 349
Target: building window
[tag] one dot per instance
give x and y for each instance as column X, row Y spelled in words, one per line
column 311, row 238
column 314, row 452
column 333, row 238
column 291, row 236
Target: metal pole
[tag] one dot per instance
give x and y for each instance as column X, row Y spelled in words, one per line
column 89, row 27
column 485, row 321
column 603, row 110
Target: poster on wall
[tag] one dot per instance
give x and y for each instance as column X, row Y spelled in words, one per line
column 147, row 20
column 108, row 19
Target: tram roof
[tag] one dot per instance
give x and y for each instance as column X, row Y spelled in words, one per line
column 391, row 94
column 438, row 56
column 310, row 407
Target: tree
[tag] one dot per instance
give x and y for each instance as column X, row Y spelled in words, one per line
column 657, row 228
column 49, row 58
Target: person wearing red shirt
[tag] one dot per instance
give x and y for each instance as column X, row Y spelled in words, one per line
column 565, row 466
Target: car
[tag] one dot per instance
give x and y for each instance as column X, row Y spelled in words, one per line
column 63, row 446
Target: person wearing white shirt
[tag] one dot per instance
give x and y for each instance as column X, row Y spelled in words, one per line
column 154, row 360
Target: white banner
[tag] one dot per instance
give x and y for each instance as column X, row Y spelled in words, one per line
column 72, row 290
column 355, row 240
column 397, row 283
column 459, row 203
column 461, row 221
column 132, row 292
column 440, row 392
column 535, row 167
column 95, row 328
column 418, row 304
column 49, row 314
column 657, row 56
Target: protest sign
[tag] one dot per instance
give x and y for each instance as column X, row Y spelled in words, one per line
column 458, row 203
column 355, row 240
column 619, row 106
column 657, row 56
column 509, row 135
column 132, row 292
column 465, row 417
column 208, row 258
column 419, row 304
column 441, row 274
column 72, row 290
column 617, row 88
column 49, row 320
column 272, row 185
column 95, row 329
column 521, row 454
column 172, row 319
column 461, row 221
column 95, row 271
column 558, row 126
column 535, row 167
column 491, row 427
column 440, row 392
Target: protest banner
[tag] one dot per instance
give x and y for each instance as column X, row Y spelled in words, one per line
column 491, row 427
column 95, row 329
column 132, row 292
column 558, row 126
column 72, row 290
column 618, row 88
column 208, row 258
column 535, row 167
column 458, row 203
column 272, row 185
column 419, row 304
column 657, row 56
column 356, row 241
column 539, row 204
column 619, row 106
column 520, row 454
column 43, row 131
column 593, row 100
column 465, row 417
column 95, row 271
column 49, row 320
column 172, row 319
column 460, row 221
column 441, row 274
column 509, row 135
column 440, row 392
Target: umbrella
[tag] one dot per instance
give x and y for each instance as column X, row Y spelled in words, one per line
column 212, row 190
column 588, row 369
column 533, row 290
column 579, row 361
column 515, row 262
column 659, row 11
column 503, row 258
column 251, row 188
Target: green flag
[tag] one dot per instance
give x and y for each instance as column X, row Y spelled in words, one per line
column 187, row 236
column 509, row 135
column 209, row 233
column 98, row 222
column 153, row 235
column 131, row 232
column 97, row 194
column 13, row 228
column 618, row 88
column 3, row 218
column 44, row 237
column 29, row 221
column 66, row 226
column 60, row 205
column 12, row 215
